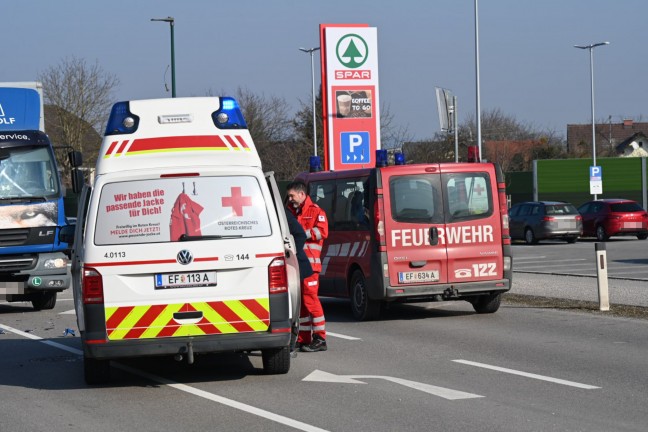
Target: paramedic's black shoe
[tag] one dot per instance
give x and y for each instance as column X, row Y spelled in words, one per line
column 298, row 345
column 318, row 344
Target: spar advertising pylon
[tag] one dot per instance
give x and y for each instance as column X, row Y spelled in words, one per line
column 350, row 102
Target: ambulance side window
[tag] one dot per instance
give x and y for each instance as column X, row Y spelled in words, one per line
column 469, row 196
column 322, row 194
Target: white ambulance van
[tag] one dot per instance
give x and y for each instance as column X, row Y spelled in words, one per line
column 182, row 244
column 414, row 233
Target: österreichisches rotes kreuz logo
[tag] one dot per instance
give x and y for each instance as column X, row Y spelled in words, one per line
column 352, row 51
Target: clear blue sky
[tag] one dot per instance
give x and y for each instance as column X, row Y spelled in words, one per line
column 529, row 68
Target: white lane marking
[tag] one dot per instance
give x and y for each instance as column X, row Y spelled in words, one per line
column 183, row 387
column 446, row 393
column 341, row 336
column 528, row 375
column 532, row 258
column 68, row 312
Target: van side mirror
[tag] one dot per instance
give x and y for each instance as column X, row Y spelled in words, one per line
column 75, row 158
column 77, row 180
column 66, row 235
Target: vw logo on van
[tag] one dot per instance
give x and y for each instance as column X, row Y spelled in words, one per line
column 184, row 257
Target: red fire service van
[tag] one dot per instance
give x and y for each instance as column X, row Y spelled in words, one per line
column 420, row 232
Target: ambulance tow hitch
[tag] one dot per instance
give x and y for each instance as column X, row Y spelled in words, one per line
column 189, row 351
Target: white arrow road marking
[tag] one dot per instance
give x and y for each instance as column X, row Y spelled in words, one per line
column 68, row 312
column 183, row 387
column 528, row 375
column 321, row 376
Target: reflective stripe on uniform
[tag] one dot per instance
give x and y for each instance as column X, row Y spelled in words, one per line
column 318, row 234
column 314, row 260
column 312, row 246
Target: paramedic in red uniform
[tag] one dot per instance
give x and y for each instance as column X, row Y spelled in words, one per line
column 312, row 332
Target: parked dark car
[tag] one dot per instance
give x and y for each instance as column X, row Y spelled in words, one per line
column 605, row 218
column 539, row 220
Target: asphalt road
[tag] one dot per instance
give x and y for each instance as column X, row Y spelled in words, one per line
column 433, row 366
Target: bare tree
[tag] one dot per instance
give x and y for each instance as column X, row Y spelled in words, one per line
column 81, row 96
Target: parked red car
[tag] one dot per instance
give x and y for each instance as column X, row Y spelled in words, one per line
column 605, row 218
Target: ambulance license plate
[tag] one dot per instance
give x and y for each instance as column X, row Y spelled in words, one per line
column 185, row 280
column 418, row 276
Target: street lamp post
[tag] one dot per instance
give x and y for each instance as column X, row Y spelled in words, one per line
column 311, row 51
column 591, row 48
column 477, row 92
column 171, row 22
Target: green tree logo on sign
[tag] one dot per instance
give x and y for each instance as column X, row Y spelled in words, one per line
column 352, row 51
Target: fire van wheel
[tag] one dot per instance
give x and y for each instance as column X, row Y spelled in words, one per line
column 529, row 237
column 487, row 303
column 276, row 361
column 642, row 236
column 363, row 308
column 44, row 300
column 96, row 371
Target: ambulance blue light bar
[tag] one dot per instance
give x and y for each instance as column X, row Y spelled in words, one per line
column 314, row 164
column 399, row 158
column 121, row 120
column 229, row 115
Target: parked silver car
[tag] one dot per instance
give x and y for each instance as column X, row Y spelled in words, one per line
column 539, row 220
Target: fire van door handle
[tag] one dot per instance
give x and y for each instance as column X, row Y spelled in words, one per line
column 434, row 236
column 417, row 264
column 187, row 315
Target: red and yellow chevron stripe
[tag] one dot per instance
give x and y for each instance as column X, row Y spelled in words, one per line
column 176, row 144
column 157, row 321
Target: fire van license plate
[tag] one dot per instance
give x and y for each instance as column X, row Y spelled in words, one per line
column 185, row 280
column 418, row 277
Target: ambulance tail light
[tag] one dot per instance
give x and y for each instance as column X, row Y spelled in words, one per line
column 277, row 276
column 229, row 115
column 92, row 286
column 121, row 120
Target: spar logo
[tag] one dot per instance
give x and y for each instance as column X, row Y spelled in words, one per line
column 352, row 51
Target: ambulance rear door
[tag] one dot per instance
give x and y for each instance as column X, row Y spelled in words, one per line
column 414, row 217
column 473, row 233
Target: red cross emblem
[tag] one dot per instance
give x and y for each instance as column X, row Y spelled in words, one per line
column 479, row 190
column 237, row 201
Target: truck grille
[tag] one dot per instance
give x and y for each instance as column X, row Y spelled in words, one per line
column 13, row 237
column 16, row 263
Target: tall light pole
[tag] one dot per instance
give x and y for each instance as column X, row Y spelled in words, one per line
column 591, row 48
column 478, row 109
column 171, row 22
column 311, row 51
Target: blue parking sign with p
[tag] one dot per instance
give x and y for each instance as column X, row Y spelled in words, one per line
column 355, row 147
column 596, row 173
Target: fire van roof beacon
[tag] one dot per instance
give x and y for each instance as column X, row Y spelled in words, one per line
column 227, row 116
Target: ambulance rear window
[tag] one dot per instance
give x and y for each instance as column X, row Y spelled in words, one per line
column 176, row 209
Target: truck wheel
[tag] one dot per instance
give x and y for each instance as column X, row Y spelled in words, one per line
column 96, row 371
column 276, row 361
column 487, row 303
column 601, row 235
column 642, row 236
column 363, row 308
column 529, row 237
column 571, row 239
column 44, row 300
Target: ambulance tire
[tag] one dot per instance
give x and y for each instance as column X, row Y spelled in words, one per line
column 363, row 308
column 487, row 303
column 276, row 361
column 96, row 371
column 44, row 300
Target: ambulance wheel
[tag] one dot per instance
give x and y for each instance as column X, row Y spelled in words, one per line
column 96, row 371
column 276, row 361
column 44, row 300
column 487, row 303
column 363, row 308
column 529, row 237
